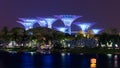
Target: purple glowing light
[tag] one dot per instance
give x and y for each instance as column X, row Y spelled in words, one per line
column 28, row 20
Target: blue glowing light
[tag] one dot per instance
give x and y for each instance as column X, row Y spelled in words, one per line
column 27, row 25
column 28, row 20
column 62, row 29
column 47, row 61
column 67, row 19
column 50, row 21
column 84, row 26
column 27, row 61
column 96, row 31
column 42, row 23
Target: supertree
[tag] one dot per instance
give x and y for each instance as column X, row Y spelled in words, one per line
column 96, row 31
column 67, row 20
column 84, row 26
column 27, row 23
column 42, row 22
column 49, row 21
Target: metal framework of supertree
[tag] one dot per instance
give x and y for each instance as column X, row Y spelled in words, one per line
column 67, row 20
column 84, row 26
column 27, row 23
column 42, row 22
column 50, row 21
column 28, row 20
column 96, row 31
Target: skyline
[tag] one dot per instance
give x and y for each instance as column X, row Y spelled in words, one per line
column 105, row 14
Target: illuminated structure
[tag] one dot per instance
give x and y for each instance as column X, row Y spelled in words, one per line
column 96, row 31
column 42, row 22
column 27, row 23
column 84, row 26
column 50, row 21
column 62, row 29
column 67, row 20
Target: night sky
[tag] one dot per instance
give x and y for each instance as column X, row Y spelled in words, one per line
column 106, row 13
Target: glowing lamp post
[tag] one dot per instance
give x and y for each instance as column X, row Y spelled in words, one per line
column 67, row 20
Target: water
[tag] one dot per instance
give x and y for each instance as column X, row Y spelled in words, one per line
column 63, row 60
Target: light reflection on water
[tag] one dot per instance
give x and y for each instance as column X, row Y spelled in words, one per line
column 116, row 61
column 109, row 56
column 27, row 61
column 63, row 60
column 47, row 61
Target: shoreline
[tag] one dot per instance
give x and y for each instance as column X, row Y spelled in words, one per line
column 68, row 50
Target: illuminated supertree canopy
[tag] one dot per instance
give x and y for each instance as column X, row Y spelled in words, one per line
column 27, row 22
column 50, row 21
column 27, row 25
column 67, row 20
column 84, row 26
column 62, row 29
column 96, row 31
column 42, row 22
